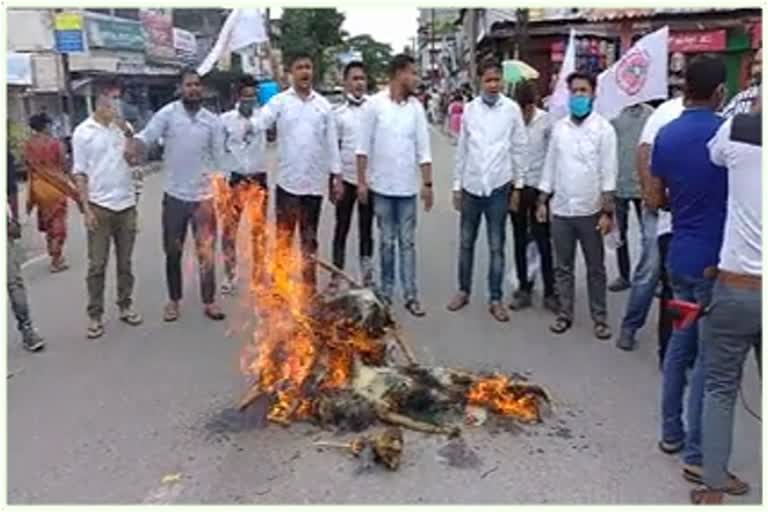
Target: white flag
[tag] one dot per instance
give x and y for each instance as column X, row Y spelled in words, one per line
column 242, row 28
column 558, row 102
column 639, row 75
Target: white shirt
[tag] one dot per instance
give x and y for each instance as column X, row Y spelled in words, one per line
column 667, row 112
column 742, row 241
column 97, row 152
column 348, row 120
column 395, row 138
column 539, row 133
column 491, row 148
column 245, row 145
column 581, row 164
column 308, row 147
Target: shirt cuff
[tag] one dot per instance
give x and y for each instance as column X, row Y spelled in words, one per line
column 519, row 183
column 426, row 160
column 456, row 186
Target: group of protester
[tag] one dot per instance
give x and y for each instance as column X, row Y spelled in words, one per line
column 691, row 175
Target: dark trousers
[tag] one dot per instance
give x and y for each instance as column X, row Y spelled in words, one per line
column 622, row 217
column 177, row 216
column 665, row 318
column 523, row 219
column 292, row 210
column 111, row 227
column 245, row 193
column 344, row 208
column 566, row 233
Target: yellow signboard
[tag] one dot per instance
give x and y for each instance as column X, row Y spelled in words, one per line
column 68, row 21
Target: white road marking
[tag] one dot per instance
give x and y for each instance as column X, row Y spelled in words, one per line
column 33, row 260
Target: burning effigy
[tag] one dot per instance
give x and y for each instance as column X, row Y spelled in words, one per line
column 341, row 361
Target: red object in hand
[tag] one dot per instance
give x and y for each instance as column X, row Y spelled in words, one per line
column 684, row 313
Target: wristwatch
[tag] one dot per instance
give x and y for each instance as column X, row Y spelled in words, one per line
column 428, row 184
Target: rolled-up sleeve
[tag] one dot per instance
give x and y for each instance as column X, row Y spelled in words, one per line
column 547, row 183
column 718, row 143
column 609, row 162
column 365, row 137
column 80, row 154
column 518, row 149
column 217, row 145
column 156, row 127
column 461, row 158
column 268, row 114
column 423, row 149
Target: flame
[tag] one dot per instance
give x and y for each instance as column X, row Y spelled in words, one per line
column 496, row 394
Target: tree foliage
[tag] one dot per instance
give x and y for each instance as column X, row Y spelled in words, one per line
column 310, row 31
column 376, row 56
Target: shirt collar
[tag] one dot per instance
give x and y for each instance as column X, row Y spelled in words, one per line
column 311, row 96
column 404, row 101
column 586, row 121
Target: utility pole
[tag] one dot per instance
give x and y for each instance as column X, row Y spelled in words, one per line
column 521, row 34
column 432, row 70
column 69, row 99
column 472, row 13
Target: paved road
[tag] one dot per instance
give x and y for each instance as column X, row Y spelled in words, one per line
column 104, row 422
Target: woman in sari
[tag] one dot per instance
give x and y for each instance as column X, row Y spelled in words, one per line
column 455, row 111
column 49, row 187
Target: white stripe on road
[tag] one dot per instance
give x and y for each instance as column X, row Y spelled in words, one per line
column 33, row 260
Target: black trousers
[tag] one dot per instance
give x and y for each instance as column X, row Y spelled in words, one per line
column 622, row 217
column 303, row 211
column 242, row 191
column 176, row 217
column 524, row 226
column 665, row 319
column 344, row 208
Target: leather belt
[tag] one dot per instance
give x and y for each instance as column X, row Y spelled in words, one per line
column 743, row 281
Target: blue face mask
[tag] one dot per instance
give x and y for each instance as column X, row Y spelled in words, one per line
column 580, row 106
column 489, row 98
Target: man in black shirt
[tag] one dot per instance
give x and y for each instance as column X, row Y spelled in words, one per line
column 17, row 293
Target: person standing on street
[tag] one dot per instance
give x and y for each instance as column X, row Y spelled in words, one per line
column 193, row 151
column 17, row 292
column 734, row 323
column 695, row 189
column 247, row 183
column 629, row 126
column 580, row 174
column 525, row 225
column 348, row 118
column 490, row 160
column 108, row 195
column 394, row 142
column 308, row 151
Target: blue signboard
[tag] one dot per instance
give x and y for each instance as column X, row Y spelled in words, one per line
column 69, row 41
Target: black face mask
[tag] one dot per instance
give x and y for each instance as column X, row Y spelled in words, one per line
column 245, row 107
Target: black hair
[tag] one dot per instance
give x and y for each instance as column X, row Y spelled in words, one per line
column 244, row 82
column 399, row 62
column 187, row 71
column 526, row 93
column 38, row 122
column 582, row 75
column 300, row 55
column 112, row 84
column 703, row 76
column 352, row 65
column 487, row 65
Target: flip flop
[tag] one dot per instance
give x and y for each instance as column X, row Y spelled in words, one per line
column 670, row 448
column 499, row 313
column 95, row 331
column 735, row 486
column 131, row 318
column 458, row 302
column 706, row 496
column 214, row 313
column 171, row 313
column 560, row 326
column 414, row 308
column 602, row 331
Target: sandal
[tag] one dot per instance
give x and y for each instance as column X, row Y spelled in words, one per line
column 458, row 302
column 215, row 313
column 671, row 448
column 735, row 486
column 130, row 317
column 706, row 496
column 95, row 330
column 602, row 331
column 415, row 308
column 560, row 326
column 498, row 312
column 59, row 266
column 171, row 312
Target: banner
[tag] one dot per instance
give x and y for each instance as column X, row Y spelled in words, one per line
column 185, row 44
column 696, row 42
column 558, row 102
column 242, row 28
column 157, row 25
column 640, row 75
column 114, row 34
column 68, row 32
column 19, row 68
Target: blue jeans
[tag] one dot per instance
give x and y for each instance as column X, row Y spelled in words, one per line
column 645, row 277
column 732, row 328
column 473, row 208
column 684, row 347
column 396, row 219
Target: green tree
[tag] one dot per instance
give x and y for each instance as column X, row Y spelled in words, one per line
column 311, row 31
column 376, row 56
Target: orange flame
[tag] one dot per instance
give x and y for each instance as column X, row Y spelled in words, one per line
column 495, row 394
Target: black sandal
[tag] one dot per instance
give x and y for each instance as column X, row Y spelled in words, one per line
column 560, row 326
column 671, row 448
column 602, row 331
column 415, row 308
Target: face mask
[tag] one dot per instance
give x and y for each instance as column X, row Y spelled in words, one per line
column 117, row 107
column 490, row 99
column 580, row 106
column 355, row 101
column 245, row 107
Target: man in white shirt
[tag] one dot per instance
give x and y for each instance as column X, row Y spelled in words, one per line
column 490, row 160
column 308, row 151
column 580, row 172
column 655, row 224
column 394, row 142
column 525, row 226
column 247, row 189
column 348, row 118
column 734, row 322
column 108, row 195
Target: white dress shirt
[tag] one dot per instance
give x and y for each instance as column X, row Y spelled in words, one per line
column 348, row 121
column 245, row 145
column 308, row 146
column 539, row 133
column 491, row 147
column 581, row 164
column 742, row 241
column 97, row 152
column 395, row 138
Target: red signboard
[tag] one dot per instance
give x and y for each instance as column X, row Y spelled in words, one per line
column 692, row 42
column 757, row 34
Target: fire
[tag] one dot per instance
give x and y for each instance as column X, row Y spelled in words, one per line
column 498, row 394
